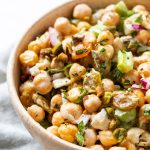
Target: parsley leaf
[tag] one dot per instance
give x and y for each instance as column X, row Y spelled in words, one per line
column 83, row 92
column 80, row 134
column 147, row 111
column 80, row 51
column 103, row 50
column 80, row 138
column 104, row 42
column 126, row 83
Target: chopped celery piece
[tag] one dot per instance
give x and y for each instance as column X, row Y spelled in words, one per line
column 125, row 61
column 121, row 9
column 125, row 116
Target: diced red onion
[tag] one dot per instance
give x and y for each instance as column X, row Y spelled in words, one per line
column 145, row 83
column 137, row 27
column 54, row 36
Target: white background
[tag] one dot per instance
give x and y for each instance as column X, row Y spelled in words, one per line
column 17, row 15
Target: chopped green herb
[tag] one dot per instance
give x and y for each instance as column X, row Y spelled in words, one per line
column 81, row 127
column 139, row 19
column 83, row 92
column 126, row 83
column 80, row 134
column 45, row 123
column 80, row 138
column 104, row 42
column 103, row 50
column 147, row 111
column 80, row 51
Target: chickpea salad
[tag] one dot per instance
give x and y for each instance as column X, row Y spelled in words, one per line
column 87, row 79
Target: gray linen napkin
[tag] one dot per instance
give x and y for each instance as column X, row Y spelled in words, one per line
column 13, row 135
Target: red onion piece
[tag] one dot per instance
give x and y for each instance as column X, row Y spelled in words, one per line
column 145, row 83
column 54, row 36
column 137, row 27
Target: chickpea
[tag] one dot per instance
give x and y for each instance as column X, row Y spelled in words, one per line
column 117, row 148
column 57, row 119
column 63, row 57
column 106, row 138
column 43, row 64
column 83, row 25
column 56, row 102
column 57, row 64
column 145, row 57
column 73, row 94
column 140, row 95
column 111, row 19
column 108, row 85
column 26, row 90
column 90, row 137
column 71, row 112
column 40, row 43
column 105, row 52
column 106, row 35
column 143, row 36
column 53, row 130
column 89, row 38
column 63, row 25
column 76, row 71
column 147, row 96
column 26, row 86
column 132, row 76
column 82, row 11
column 96, row 147
column 144, row 69
column 42, row 83
column 140, row 9
column 28, row 58
column 129, row 145
column 68, row 132
column 91, row 103
column 36, row 112
column 110, row 8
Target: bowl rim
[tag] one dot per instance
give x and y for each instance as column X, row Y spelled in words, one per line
column 15, row 100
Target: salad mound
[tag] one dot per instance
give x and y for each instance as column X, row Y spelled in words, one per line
column 86, row 80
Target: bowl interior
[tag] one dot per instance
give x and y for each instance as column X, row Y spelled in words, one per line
column 14, row 68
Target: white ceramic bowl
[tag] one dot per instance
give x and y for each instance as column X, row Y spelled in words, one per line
column 49, row 142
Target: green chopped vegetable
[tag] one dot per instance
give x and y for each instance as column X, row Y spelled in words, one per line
column 119, row 134
column 139, row 19
column 80, row 134
column 57, row 48
column 80, row 138
column 130, row 13
column 107, row 97
column 116, row 74
column 104, row 42
column 80, row 51
column 125, row 116
column 143, row 48
column 125, row 61
column 45, row 124
column 103, row 50
column 126, row 83
column 81, row 127
column 121, row 9
column 83, row 92
column 147, row 111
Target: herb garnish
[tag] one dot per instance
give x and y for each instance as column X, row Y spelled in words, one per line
column 139, row 19
column 104, row 42
column 80, row 134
